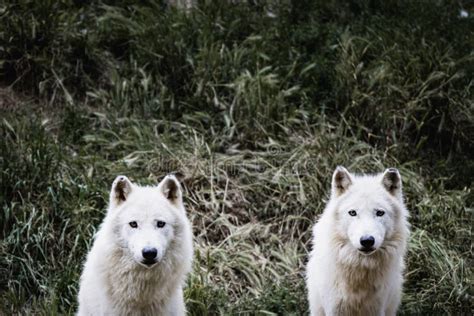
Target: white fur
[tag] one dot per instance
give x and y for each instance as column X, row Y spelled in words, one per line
column 115, row 281
column 342, row 280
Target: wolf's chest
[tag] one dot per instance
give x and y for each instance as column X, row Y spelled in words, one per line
column 362, row 292
column 355, row 307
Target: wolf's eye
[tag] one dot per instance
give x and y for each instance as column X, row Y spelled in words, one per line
column 160, row 224
column 133, row 224
column 379, row 213
column 352, row 213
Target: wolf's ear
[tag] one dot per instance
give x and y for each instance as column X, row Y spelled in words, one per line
column 341, row 181
column 121, row 188
column 392, row 181
column 171, row 189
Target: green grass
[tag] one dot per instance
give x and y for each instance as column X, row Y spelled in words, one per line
column 256, row 111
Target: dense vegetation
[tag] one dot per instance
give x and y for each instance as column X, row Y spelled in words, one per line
column 255, row 103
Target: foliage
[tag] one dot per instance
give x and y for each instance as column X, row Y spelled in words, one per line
column 256, row 103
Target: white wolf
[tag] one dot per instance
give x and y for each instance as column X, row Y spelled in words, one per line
column 359, row 243
column 141, row 254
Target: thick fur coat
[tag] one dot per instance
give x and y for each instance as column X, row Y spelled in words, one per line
column 359, row 243
column 141, row 253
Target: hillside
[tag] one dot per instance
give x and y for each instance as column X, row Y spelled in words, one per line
column 255, row 103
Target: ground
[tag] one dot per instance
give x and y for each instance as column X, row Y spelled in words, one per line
column 255, row 104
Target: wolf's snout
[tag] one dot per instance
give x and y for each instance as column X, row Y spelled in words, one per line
column 149, row 253
column 367, row 241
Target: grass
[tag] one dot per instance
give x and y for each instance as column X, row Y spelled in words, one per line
column 256, row 104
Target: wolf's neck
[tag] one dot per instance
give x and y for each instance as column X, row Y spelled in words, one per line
column 364, row 274
column 136, row 285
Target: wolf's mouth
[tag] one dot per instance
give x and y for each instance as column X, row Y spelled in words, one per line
column 367, row 251
column 149, row 263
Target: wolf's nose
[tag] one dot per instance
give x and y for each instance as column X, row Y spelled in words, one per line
column 149, row 253
column 367, row 241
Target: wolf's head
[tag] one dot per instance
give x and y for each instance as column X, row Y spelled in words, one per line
column 368, row 209
column 146, row 220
